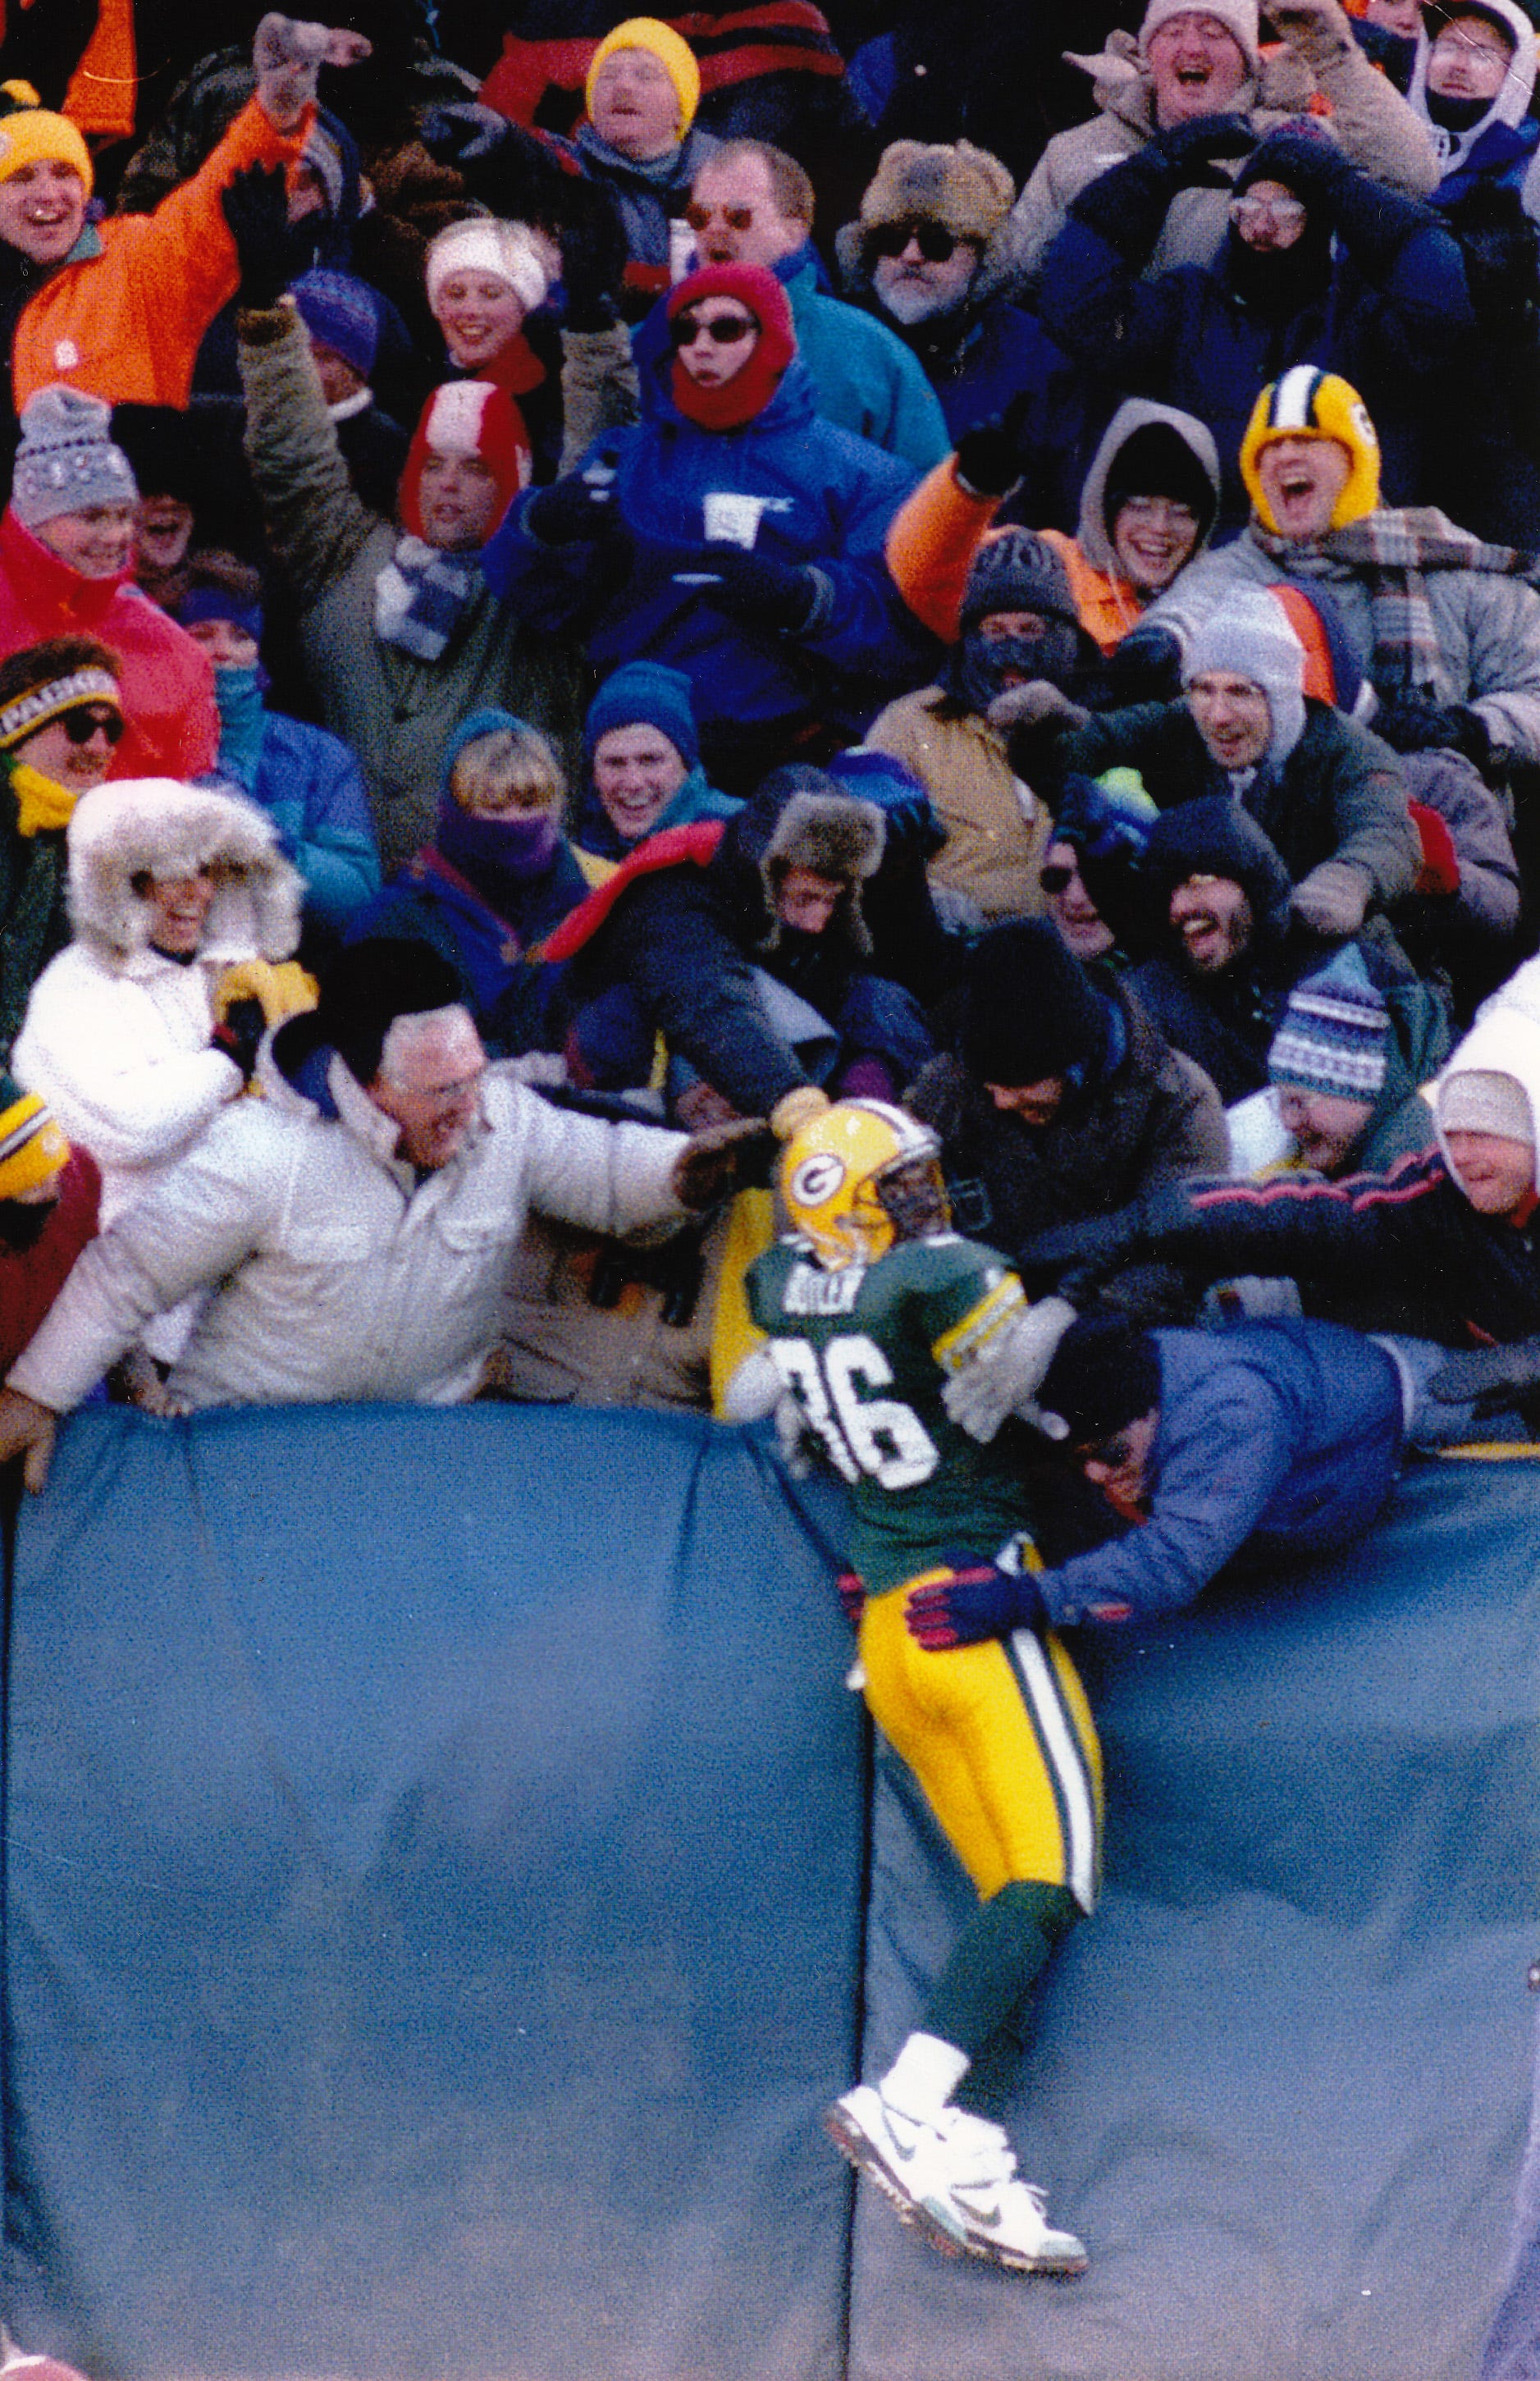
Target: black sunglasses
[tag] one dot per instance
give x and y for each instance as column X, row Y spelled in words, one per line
column 1057, row 878
column 935, row 245
column 82, row 722
column 725, row 330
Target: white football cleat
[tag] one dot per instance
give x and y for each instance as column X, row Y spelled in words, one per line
column 1003, row 2219
column 906, row 2160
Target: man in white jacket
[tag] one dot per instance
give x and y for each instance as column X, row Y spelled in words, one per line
column 354, row 1224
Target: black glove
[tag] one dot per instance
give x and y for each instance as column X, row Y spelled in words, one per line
column 1086, row 1251
column 988, row 459
column 461, row 131
column 784, row 597
column 1489, row 1377
column 269, row 254
column 240, row 1036
column 506, row 168
column 1145, row 667
column 594, row 254
column 577, row 510
column 1188, row 149
column 1417, row 723
column 1309, row 163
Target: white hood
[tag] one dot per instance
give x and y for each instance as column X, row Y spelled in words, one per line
column 158, row 826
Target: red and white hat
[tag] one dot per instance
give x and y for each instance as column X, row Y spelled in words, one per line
column 469, row 417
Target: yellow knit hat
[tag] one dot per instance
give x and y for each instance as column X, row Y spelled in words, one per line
column 1309, row 404
column 29, row 133
column 673, row 54
column 32, row 1148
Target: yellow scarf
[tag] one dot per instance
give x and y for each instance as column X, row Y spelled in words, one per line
column 40, row 803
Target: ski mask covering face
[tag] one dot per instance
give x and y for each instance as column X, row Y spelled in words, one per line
column 1014, row 572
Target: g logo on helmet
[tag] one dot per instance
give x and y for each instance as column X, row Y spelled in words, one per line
column 1359, row 416
column 817, row 1178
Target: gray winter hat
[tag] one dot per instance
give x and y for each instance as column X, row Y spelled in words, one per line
column 66, row 459
column 1250, row 636
column 1015, row 570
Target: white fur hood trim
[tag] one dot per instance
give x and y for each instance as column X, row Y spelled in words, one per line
column 158, row 826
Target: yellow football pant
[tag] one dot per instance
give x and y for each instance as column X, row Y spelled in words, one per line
column 1001, row 1739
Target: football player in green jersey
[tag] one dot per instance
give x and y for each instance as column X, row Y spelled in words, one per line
column 888, row 1333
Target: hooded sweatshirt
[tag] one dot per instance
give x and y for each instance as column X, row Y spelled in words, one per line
column 1502, row 142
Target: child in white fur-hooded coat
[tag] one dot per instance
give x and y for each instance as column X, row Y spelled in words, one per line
column 117, row 1037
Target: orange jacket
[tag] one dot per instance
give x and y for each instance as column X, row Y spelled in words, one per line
column 123, row 318
column 937, row 532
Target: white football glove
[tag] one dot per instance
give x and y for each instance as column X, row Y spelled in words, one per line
column 1003, row 1377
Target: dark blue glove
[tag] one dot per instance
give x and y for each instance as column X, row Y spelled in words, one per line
column 239, row 1037
column 1187, row 149
column 1084, row 1251
column 907, row 813
column 779, row 596
column 576, row 509
column 1310, row 163
column 1102, row 819
column 971, row 1600
column 1414, row 722
column 462, row 132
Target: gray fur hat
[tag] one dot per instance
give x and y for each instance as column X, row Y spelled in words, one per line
column 136, row 828
column 801, row 817
column 66, row 459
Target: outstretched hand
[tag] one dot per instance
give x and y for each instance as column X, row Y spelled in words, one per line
column 255, row 204
column 968, row 1600
column 288, row 53
column 715, row 1160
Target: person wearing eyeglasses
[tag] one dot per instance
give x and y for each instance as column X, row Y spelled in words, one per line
column 1188, row 62
column 61, row 720
column 1321, row 266
column 753, row 204
column 1473, row 80
column 1278, row 1440
column 731, row 533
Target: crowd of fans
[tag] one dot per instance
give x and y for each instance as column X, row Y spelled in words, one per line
column 570, row 594
column 582, row 600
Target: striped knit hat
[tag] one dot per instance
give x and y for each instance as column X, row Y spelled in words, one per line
column 1309, row 404
column 32, row 1148
column 1335, row 1033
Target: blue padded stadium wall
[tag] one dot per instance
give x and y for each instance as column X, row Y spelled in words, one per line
column 446, row 1878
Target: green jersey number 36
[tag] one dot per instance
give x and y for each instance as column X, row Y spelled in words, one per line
column 879, row 1437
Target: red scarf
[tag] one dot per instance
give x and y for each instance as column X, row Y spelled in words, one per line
column 750, row 388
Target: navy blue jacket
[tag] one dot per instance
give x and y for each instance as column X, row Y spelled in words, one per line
column 1281, row 1437
column 1393, row 305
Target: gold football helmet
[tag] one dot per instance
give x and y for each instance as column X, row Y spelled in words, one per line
column 859, row 1178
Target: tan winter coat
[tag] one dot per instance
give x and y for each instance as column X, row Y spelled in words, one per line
column 1370, row 120
column 998, row 830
